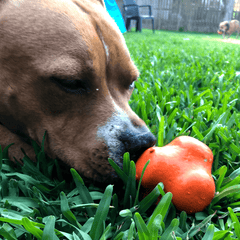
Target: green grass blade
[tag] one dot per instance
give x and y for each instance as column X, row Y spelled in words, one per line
column 29, row 226
column 81, row 233
column 167, row 235
column 140, row 181
column 198, row 133
column 119, row 171
column 12, row 221
column 101, row 214
column 161, row 132
column 216, row 124
column 232, row 176
column 209, row 233
column 48, row 231
column 197, row 98
column 161, row 208
column 75, row 236
column 224, row 193
column 234, row 149
column 151, row 198
column 107, row 230
column 235, row 221
column 83, row 191
column 130, row 192
column 194, row 230
column 119, row 236
column 155, row 226
column 131, row 230
column 8, row 232
column 183, row 221
column 114, row 212
column 222, row 172
column 143, row 232
column 171, row 116
column 223, row 235
column 126, row 163
column 67, row 213
column 4, row 185
column 5, row 151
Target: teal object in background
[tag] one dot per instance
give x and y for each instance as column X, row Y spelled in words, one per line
column 115, row 13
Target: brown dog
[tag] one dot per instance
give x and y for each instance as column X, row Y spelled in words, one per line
column 65, row 69
column 229, row 28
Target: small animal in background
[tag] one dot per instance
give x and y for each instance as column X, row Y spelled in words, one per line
column 229, row 27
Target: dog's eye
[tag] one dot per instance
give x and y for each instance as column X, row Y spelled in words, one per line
column 70, row 85
column 131, row 86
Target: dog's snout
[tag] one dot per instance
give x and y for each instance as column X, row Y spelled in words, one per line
column 137, row 141
column 122, row 135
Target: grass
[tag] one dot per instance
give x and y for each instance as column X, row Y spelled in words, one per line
column 189, row 85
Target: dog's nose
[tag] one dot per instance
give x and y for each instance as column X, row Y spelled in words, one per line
column 137, row 140
column 122, row 134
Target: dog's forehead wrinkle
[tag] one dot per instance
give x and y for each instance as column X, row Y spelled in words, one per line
column 83, row 9
column 104, row 27
column 106, row 48
column 62, row 65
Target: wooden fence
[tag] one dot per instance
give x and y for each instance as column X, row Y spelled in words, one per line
column 185, row 15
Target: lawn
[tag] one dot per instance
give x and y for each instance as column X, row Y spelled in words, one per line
column 189, row 85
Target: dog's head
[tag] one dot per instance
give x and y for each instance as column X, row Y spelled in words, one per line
column 223, row 27
column 65, row 69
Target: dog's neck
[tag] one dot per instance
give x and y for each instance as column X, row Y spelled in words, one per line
column 227, row 25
